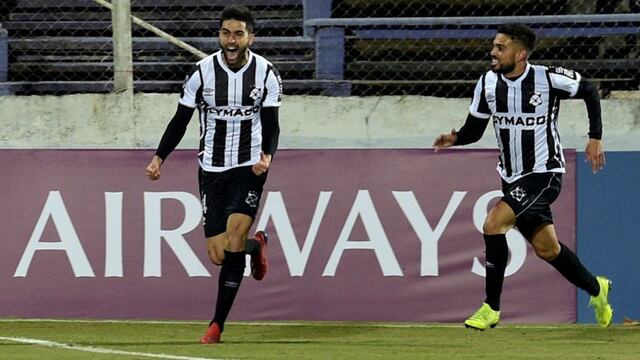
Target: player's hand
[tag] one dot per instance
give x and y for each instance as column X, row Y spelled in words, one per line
column 595, row 155
column 262, row 166
column 153, row 169
column 445, row 140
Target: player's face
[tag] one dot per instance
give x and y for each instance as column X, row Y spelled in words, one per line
column 505, row 55
column 235, row 40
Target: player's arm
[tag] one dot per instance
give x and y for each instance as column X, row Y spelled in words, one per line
column 269, row 120
column 469, row 133
column 170, row 139
column 594, row 152
column 474, row 126
column 570, row 84
column 270, row 136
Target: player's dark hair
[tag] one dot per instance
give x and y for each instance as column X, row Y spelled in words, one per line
column 520, row 33
column 240, row 13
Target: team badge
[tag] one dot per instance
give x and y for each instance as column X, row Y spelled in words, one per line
column 255, row 93
column 518, row 193
column 536, row 99
column 252, row 199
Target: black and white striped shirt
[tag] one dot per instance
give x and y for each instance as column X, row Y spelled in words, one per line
column 229, row 105
column 525, row 117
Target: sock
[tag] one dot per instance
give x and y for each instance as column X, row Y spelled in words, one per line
column 568, row 264
column 496, row 257
column 251, row 247
column 228, row 285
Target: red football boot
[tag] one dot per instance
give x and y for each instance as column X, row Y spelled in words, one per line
column 212, row 336
column 259, row 263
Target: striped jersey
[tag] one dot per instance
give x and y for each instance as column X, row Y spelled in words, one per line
column 524, row 112
column 229, row 104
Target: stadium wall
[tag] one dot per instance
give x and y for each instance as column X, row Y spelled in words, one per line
column 607, row 220
column 100, row 121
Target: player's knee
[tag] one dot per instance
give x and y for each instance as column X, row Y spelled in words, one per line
column 216, row 259
column 234, row 241
column 546, row 252
column 493, row 227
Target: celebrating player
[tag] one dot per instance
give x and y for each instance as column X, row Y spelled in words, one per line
column 237, row 93
column 523, row 101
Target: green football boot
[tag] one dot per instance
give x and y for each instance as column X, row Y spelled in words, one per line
column 483, row 318
column 600, row 303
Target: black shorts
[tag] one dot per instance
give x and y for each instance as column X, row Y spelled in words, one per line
column 530, row 199
column 236, row 190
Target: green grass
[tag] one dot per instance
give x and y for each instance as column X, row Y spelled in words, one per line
column 318, row 340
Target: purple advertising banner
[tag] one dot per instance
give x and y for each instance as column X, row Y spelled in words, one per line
column 372, row 235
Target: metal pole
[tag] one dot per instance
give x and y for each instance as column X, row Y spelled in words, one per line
column 122, row 47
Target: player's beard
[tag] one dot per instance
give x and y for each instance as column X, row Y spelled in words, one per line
column 237, row 59
column 502, row 68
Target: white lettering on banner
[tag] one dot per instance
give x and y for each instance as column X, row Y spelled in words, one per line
column 113, row 234
column 153, row 233
column 274, row 208
column 378, row 241
column 515, row 240
column 55, row 209
column 427, row 235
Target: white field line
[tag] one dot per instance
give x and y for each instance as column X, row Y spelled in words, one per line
column 98, row 350
column 270, row 323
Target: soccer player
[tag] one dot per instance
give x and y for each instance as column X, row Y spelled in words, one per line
column 522, row 100
column 237, row 94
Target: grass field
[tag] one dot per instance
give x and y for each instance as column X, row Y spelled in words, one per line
column 44, row 339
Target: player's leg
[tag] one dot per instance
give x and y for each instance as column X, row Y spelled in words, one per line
column 546, row 245
column 535, row 222
column 500, row 219
column 242, row 198
column 256, row 246
column 215, row 248
column 231, row 272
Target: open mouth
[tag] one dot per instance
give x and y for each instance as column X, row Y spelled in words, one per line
column 232, row 53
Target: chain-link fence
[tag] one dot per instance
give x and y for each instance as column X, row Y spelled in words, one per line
column 373, row 47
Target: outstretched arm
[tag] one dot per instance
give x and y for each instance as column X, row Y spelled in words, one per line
column 470, row 132
column 170, row 139
column 594, row 152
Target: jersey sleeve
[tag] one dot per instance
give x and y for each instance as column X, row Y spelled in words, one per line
column 565, row 80
column 479, row 107
column 273, row 85
column 190, row 88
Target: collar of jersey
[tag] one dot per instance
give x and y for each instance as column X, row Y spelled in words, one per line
column 223, row 64
column 519, row 79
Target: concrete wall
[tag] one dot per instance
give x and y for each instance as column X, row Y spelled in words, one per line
column 137, row 121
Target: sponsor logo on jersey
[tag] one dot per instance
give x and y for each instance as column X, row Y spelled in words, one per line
column 230, row 112
column 519, row 121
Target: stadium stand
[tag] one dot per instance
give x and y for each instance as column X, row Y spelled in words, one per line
column 439, row 56
column 65, row 46
column 438, row 48
column 332, row 47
